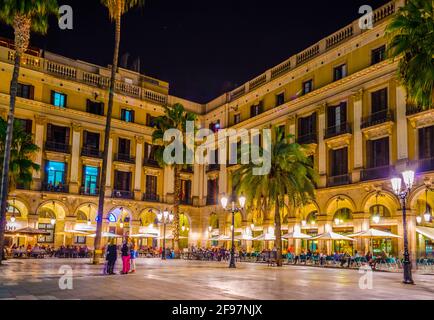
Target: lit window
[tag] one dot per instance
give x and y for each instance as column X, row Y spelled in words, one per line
column 58, row 99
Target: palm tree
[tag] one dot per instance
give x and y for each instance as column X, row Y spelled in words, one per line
column 291, row 175
column 116, row 9
column 24, row 16
column 175, row 117
column 411, row 34
column 21, row 165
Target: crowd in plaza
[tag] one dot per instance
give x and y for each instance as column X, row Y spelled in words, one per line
column 42, row 251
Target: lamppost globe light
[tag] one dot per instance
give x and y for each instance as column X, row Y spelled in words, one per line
column 165, row 214
column 337, row 221
column 171, row 216
column 252, row 226
column 160, row 216
column 427, row 216
column 53, row 222
column 376, row 219
column 12, row 219
column 89, row 222
column 224, row 201
column 303, row 222
column 121, row 225
column 183, row 228
column 232, row 227
column 242, row 200
column 418, row 219
column 396, row 184
column 209, row 228
column 408, row 176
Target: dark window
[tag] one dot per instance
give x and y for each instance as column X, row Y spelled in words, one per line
column 79, row 240
column 57, row 136
column 337, row 115
column 149, row 151
column 127, row 115
column 379, row 101
column 58, row 99
column 378, row 153
column 25, row 91
column 307, row 129
column 150, row 121
column 91, row 140
column 25, row 124
column 237, row 118
column 280, row 99
column 340, row 72
column 426, row 143
column 256, row 110
column 378, row 55
column 151, row 185
column 339, row 162
column 122, row 181
column 213, row 191
column 185, row 195
column 95, row 107
column 124, row 146
column 307, row 86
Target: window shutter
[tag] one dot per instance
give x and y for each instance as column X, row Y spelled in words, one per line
column 85, row 139
column 343, row 112
column 369, row 154
column 127, row 146
column 31, row 92
column 52, row 97
column 67, row 130
column 133, row 115
column 344, row 161
column 331, row 117
column 66, row 101
column 88, row 104
column 123, row 114
column 29, row 125
column 101, row 109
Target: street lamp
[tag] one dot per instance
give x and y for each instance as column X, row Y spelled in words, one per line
column 402, row 193
column 164, row 218
column 224, row 202
column 427, row 214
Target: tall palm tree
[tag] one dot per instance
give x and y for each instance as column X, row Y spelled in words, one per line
column 21, row 164
column 411, row 34
column 23, row 16
column 116, row 9
column 175, row 117
column 291, row 175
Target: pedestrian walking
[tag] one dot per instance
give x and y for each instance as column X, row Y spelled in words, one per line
column 125, row 252
column 111, row 256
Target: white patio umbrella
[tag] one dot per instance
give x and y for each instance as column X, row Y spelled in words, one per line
column 265, row 237
column 373, row 233
column 76, row 232
column 144, row 235
column 106, row 235
column 171, row 237
column 330, row 235
column 244, row 237
column 221, row 238
column 296, row 235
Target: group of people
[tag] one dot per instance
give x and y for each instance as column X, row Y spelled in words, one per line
column 128, row 253
column 41, row 251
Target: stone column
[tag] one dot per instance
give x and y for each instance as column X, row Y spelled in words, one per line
column 358, row 137
column 108, row 184
column 411, row 234
column 322, row 150
column 39, row 141
column 197, row 186
column 223, row 183
column 74, row 186
column 138, row 168
column 401, row 123
column 359, row 224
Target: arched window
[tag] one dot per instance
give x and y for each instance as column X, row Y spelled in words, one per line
column 311, row 217
column 343, row 215
column 379, row 210
column 14, row 210
column 147, row 218
column 47, row 213
column 81, row 216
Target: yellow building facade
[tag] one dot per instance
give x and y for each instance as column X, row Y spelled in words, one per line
column 340, row 95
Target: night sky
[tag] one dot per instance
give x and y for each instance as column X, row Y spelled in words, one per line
column 203, row 48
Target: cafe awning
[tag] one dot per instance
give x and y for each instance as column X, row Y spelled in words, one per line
column 332, row 236
column 29, row 232
column 144, row 235
column 374, row 233
column 106, row 235
column 426, row 231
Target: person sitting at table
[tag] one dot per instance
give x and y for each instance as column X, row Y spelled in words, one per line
column 346, row 258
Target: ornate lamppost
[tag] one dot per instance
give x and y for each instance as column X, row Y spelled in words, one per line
column 402, row 193
column 164, row 218
column 224, row 202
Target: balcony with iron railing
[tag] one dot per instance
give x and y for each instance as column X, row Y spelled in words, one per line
column 151, row 197
column 57, row 147
column 149, row 162
column 377, row 118
column 211, row 201
column 91, row 152
column 188, row 201
column 87, row 191
column 337, row 130
column 122, row 194
column 334, row 181
column 425, row 165
column 121, row 157
column 308, row 138
column 376, row 173
column 58, row 188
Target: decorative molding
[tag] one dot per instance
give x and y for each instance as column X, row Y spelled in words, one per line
column 77, row 127
column 56, row 156
column 152, row 172
column 422, row 119
column 379, row 131
column 358, row 95
column 322, row 108
column 339, row 141
column 40, row 120
column 139, row 139
column 121, row 166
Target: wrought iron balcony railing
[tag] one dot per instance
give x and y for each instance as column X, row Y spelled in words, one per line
column 337, row 130
column 122, row 194
column 425, row 165
column 308, row 138
column 377, row 118
column 57, row 147
column 151, row 197
column 91, row 152
column 338, row 180
column 87, row 191
column 124, row 158
column 58, row 188
column 382, row 172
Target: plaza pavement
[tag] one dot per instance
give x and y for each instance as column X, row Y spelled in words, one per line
column 196, row 280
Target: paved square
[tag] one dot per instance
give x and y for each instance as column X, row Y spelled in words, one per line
column 192, row 280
